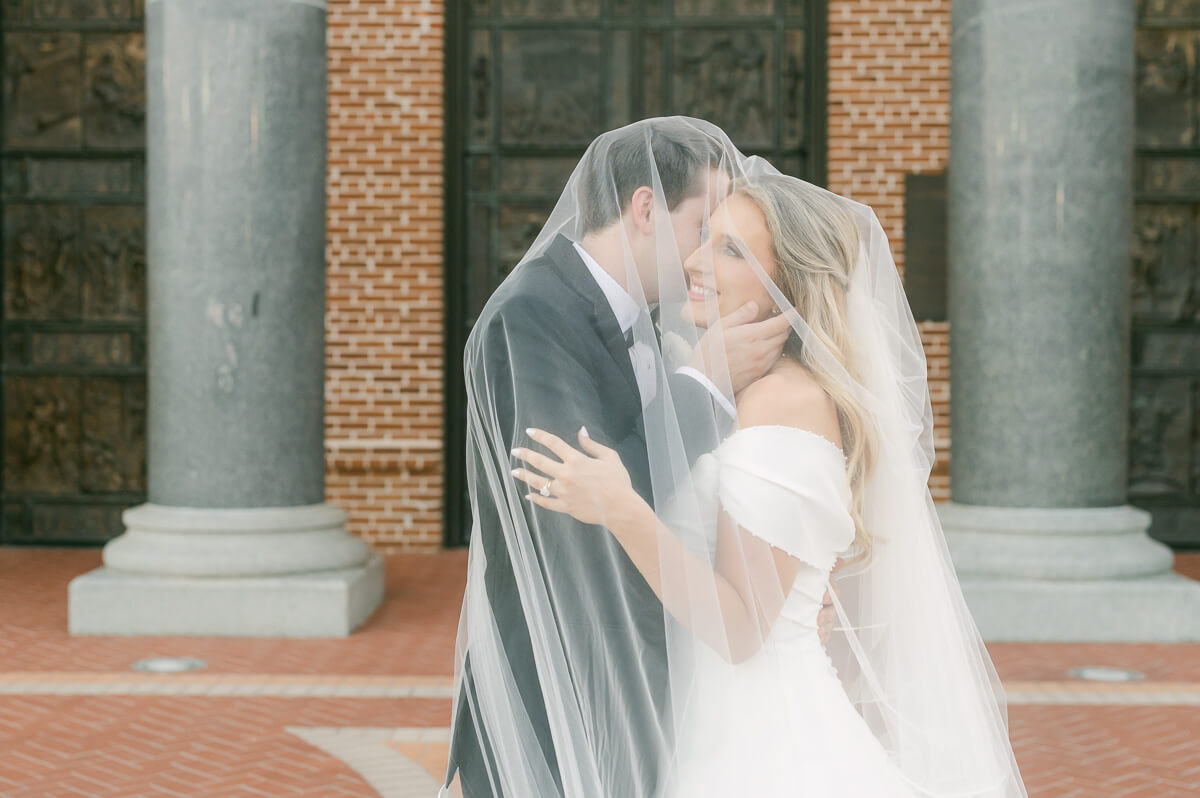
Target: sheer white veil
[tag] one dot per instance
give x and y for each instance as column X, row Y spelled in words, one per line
column 574, row 674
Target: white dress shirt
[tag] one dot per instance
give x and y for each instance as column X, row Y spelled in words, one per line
column 626, row 309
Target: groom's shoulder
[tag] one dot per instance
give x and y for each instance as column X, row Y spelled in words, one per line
column 532, row 290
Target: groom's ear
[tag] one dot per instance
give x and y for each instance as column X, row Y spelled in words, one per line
column 641, row 209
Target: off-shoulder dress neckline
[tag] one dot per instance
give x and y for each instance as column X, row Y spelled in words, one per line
column 800, row 430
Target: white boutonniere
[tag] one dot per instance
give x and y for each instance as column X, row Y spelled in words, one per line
column 676, row 351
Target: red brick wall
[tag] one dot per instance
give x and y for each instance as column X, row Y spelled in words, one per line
column 384, row 360
column 888, row 116
column 889, row 92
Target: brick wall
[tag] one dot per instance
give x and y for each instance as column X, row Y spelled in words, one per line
column 888, row 115
column 889, row 108
column 384, row 360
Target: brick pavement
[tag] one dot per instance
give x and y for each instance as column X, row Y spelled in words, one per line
column 366, row 715
column 411, row 634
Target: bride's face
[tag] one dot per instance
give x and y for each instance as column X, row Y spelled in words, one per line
column 720, row 270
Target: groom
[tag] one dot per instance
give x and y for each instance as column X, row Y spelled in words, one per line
column 553, row 349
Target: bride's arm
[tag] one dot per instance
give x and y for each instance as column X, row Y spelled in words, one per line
column 751, row 578
column 746, row 612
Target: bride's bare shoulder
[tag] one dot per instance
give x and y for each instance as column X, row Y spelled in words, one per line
column 790, row 397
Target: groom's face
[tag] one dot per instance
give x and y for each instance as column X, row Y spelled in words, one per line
column 687, row 220
column 689, row 216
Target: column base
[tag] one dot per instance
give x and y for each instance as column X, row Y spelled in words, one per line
column 321, row 604
column 1068, row 575
column 1158, row 609
column 162, row 540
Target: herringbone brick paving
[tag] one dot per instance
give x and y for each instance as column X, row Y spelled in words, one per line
column 217, row 745
column 186, row 745
column 1114, row 752
column 412, row 633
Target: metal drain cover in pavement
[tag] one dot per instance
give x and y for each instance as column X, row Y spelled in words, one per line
column 1100, row 673
column 169, row 664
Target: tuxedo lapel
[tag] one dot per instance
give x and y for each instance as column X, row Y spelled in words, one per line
column 575, row 275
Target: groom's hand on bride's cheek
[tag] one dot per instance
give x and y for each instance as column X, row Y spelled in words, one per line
column 750, row 348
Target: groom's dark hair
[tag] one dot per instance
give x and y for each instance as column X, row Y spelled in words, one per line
column 625, row 162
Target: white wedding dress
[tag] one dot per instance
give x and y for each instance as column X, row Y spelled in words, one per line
column 780, row 723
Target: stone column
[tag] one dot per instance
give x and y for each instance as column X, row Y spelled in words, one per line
column 235, row 538
column 1041, row 203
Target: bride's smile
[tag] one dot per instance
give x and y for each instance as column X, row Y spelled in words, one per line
column 698, row 292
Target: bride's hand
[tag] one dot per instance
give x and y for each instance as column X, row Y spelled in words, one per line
column 591, row 486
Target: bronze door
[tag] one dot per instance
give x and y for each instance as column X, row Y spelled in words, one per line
column 72, row 364
column 1164, row 445
column 1164, row 451
column 531, row 82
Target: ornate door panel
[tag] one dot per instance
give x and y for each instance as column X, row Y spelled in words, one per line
column 72, row 317
column 1164, row 467
column 532, row 82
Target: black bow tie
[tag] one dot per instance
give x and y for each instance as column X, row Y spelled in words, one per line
column 629, row 338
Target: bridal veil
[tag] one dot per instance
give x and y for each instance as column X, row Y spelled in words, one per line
column 572, row 677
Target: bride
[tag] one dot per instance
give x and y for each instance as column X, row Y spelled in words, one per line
column 766, row 713
column 654, row 531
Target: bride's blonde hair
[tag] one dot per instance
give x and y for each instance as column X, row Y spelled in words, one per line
column 815, row 243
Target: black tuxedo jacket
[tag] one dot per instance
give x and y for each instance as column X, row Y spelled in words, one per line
column 548, row 352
